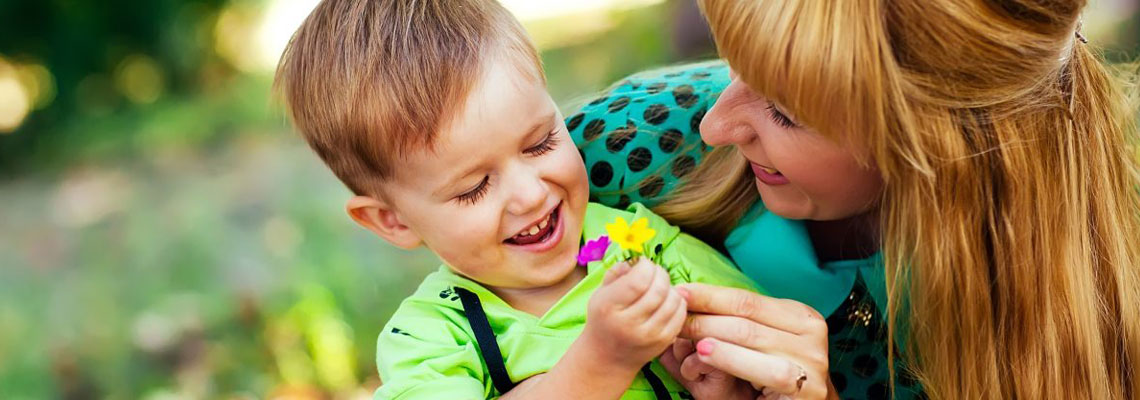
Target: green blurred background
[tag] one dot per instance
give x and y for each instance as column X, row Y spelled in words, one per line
column 164, row 234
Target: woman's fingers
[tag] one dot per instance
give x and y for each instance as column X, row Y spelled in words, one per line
column 782, row 314
column 742, row 332
column 682, row 348
column 773, row 374
column 692, row 368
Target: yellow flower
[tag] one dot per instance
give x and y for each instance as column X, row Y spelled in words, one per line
column 630, row 237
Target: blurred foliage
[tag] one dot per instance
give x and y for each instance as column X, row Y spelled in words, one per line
column 93, row 48
column 167, row 236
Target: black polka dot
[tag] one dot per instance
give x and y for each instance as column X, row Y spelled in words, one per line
column 865, row 366
column 701, row 75
column 656, row 87
column 656, row 114
column 623, row 202
column 651, row 187
column 839, row 381
column 695, row 123
column 619, row 104
column 878, row 390
column 633, row 84
column 670, row 140
column 684, row 96
column 620, row 137
column 599, row 100
column 582, row 154
column 639, row 159
column 673, row 75
column 594, row 129
column 683, row 165
column 601, row 174
column 574, row 122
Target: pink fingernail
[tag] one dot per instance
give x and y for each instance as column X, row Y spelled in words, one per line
column 705, row 347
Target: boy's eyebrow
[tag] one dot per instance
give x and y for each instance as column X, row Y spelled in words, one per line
column 539, row 124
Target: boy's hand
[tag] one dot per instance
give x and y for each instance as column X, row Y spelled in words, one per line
column 703, row 381
column 635, row 315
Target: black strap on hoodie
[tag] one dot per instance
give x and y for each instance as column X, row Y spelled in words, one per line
column 493, row 357
column 485, row 339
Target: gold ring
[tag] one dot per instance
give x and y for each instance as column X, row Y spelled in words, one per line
column 800, row 381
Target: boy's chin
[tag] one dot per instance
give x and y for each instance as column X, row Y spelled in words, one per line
column 554, row 271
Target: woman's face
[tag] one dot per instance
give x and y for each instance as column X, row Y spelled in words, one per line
column 800, row 173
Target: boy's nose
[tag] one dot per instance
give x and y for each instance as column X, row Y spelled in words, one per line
column 529, row 193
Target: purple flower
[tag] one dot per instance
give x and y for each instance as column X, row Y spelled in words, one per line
column 594, row 250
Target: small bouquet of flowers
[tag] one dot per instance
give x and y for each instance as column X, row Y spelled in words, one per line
column 632, row 238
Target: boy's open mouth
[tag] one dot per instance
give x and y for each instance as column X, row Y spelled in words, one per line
column 539, row 232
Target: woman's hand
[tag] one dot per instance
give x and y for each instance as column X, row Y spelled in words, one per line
column 778, row 345
column 700, row 379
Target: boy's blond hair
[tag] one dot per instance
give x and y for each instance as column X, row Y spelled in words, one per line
column 368, row 81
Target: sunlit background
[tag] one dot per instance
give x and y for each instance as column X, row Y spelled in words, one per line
column 165, row 235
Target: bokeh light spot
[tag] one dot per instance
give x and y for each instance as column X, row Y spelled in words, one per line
column 139, row 79
column 14, row 104
column 39, row 82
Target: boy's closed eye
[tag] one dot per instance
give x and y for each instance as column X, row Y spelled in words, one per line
column 473, row 195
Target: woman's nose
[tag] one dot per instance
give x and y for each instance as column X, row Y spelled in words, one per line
column 718, row 126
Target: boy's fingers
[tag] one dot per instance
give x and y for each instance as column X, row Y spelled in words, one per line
column 678, row 318
column 616, row 271
column 633, row 284
column 659, row 290
column 666, row 312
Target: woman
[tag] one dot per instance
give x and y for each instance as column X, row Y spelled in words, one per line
column 951, row 184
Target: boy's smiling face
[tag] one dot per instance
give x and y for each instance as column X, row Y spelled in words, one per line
column 502, row 195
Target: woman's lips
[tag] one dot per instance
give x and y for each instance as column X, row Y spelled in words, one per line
column 769, row 176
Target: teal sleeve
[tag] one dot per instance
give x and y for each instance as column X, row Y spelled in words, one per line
column 692, row 261
column 424, row 356
column 642, row 136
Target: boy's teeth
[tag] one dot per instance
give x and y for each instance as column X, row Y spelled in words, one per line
column 533, row 230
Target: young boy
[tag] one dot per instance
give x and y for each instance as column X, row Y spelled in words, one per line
column 435, row 114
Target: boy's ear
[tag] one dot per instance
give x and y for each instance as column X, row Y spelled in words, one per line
column 381, row 218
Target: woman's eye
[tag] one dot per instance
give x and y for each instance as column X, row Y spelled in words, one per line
column 546, row 146
column 474, row 195
column 780, row 118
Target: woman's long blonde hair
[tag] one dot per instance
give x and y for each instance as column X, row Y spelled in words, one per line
column 1011, row 211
